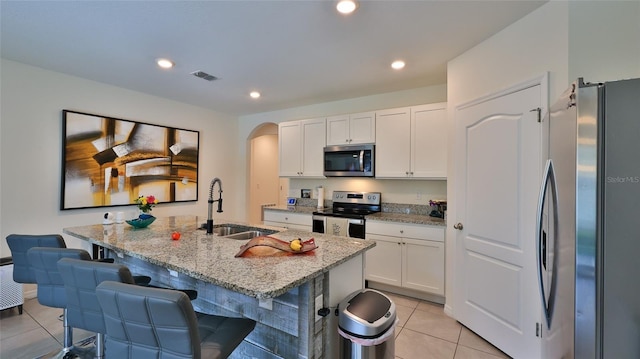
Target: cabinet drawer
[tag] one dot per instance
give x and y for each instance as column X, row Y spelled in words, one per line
column 287, row 217
column 406, row 230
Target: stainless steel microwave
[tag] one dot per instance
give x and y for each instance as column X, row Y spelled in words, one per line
column 349, row 161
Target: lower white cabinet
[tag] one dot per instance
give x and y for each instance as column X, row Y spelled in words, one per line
column 299, row 221
column 406, row 255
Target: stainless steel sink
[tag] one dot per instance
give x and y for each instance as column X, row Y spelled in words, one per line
column 226, row 230
column 238, row 231
column 249, row 234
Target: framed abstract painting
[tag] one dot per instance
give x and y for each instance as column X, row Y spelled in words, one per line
column 108, row 161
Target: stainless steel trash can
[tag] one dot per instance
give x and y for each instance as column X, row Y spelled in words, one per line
column 366, row 323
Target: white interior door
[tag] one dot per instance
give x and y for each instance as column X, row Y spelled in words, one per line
column 499, row 172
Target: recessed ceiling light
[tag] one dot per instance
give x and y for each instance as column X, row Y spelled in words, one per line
column 346, row 6
column 397, row 65
column 254, row 94
column 165, row 63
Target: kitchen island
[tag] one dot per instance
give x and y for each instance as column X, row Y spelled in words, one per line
column 278, row 291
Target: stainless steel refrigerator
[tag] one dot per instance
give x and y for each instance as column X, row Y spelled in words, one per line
column 588, row 240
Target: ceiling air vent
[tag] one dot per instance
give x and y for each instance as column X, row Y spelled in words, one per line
column 204, row 75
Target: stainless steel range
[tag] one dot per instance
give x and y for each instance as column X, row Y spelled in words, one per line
column 347, row 215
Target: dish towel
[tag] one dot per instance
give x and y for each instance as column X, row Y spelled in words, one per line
column 337, row 226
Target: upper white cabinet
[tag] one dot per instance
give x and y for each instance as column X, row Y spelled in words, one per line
column 429, row 141
column 351, row 129
column 411, row 142
column 393, row 142
column 301, row 145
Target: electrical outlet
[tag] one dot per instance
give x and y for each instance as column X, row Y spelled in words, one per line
column 418, row 195
column 319, row 305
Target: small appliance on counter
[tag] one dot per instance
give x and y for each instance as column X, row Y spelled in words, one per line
column 441, row 207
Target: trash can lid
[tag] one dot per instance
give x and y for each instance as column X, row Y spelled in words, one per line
column 366, row 313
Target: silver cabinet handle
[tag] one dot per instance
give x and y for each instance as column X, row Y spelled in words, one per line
column 458, row 226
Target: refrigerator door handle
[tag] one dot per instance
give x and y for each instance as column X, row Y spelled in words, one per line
column 547, row 178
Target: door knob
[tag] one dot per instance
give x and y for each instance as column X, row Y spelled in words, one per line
column 458, row 226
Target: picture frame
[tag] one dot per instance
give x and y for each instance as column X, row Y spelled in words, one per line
column 305, row 193
column 108, row 162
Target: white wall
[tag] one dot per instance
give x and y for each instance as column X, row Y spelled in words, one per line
column 597, row 40
column 604, row 40
column 32, row 100
column 399, row 191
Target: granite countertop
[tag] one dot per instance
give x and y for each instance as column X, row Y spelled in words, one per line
column 407, row 218
column 211, row 258
column 381, row 216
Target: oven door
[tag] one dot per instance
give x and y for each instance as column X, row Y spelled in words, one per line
column 318, row 223
column 355, row 226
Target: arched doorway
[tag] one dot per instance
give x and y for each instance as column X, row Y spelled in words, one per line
column 263, row 182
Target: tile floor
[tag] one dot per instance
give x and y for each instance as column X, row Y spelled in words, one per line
column 423, row 332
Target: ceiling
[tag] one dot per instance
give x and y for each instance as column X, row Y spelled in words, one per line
column 294, row 52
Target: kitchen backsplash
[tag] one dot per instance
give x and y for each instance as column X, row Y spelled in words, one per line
column 403, row 208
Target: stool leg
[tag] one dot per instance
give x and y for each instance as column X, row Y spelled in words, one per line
column 68, row 333
column 99, row 346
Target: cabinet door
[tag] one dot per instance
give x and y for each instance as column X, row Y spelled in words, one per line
column 429, row 141
column 423, row 265
column 393, row 143
column 384, row 261
column 338, row 130
column 313, row 142
column 290, row 143
column 362, row 128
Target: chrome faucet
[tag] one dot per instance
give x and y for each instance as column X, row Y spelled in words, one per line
column 211, row 200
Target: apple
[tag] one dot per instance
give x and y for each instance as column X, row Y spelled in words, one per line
column 175, row 236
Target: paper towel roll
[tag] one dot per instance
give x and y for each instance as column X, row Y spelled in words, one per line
column 320, row 197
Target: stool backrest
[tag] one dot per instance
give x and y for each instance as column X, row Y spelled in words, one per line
column 81, row 277
column 144, row 322
column 51, row 291
column 19, row 244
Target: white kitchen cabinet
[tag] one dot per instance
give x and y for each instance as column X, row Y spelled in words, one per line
column 301, row 145
column 429, row 141
column 406, row 255
column 411, row 142
column 423, row 265
column 351, row 129
column 384, row 261
column 289, row 220
column 393, row 143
